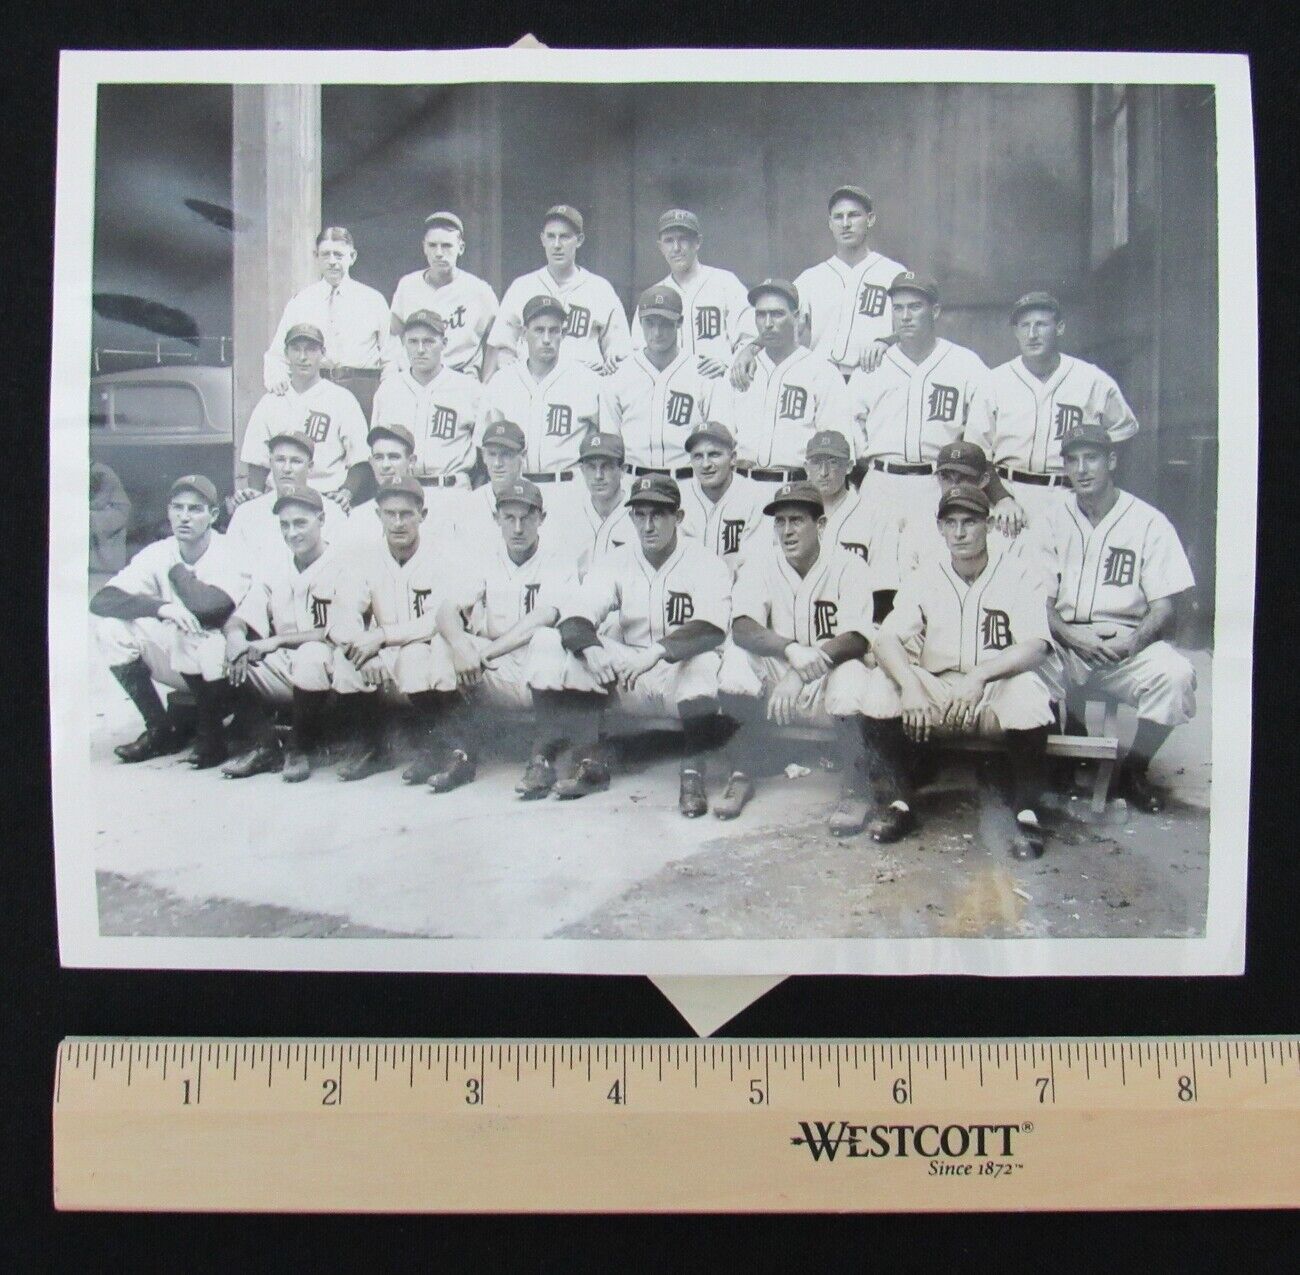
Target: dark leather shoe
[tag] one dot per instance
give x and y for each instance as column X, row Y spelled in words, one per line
column 257, row 761
column 153, row 743
column 590, row 777
column 296, row 767
column 1138, row 790
column 692, row 799
column 537, row 780
column 1026, row 841
column 735, row 797
column 459, row 770
column 208, row 753
column 892, row 824
column 364, row 762
column 420, row 769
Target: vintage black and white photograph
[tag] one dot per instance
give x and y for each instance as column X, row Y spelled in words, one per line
column 718, row 513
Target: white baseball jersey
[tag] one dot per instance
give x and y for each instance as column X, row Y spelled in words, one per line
column 220, row 565
column 494, row 593
column 958, row 625
column 847, row 307
column 441, row 416
column 466, row 304
column 717, row 318
column 655, row 411
column 554, row 413
column 920, row 540
column 784, row 406
column 648, row 603
column 354, row 320
column 906, row 411
column 328, row 414
column 282, row 599
column 861, row 528
column 732, row 525
column 1111, row 573
column 1027, row 418
column 833, row 598
column 372, row 582
column 254, row 530
column 595, row 325
column 585, row 537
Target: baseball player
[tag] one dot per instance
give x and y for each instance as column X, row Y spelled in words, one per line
column 502, row 446
column 718, row 317
column 160, row 620
column 110, row 515
column 384, row 623
column 392, row 456
column 1119, row 568
column 466, row 304
column 670, row 598
column 722, row 509
column 325, row 412
column 254, row 528
column 597, row 520
column 358, row 345
column 592, row 314
column 801, row 623
column 655, row 398
column 792, row 394
column 553, row 399
column 961, row 652
column 1037, row 398
column 276, row 653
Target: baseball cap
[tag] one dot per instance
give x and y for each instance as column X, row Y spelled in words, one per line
column 307, row 331
column 425, row 319
column 199, row 483
column 849, row 192
column 662, row 301
column 828, row 442
column 964, row 496
column 968, row 457
column 504, row 434
column 1035, row 301
column 782, row 287
column 1089, row 435
column 299, row 494
column 521, row 492
column 543, row 305
column 565, row 212
column 399, row 432
column 679, row 219
column 294, row 436
column 444, row 218
column 715, row 431
column 608, row 446
column 910, row 281
column 655, row 489
column 402, row 487
column 800, row 493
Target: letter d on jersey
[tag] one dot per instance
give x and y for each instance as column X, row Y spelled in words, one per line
column 679, row 607
column 996, row 630
column 825, row 615
column 559, row 420
column 793, row 404
column 1121, row 566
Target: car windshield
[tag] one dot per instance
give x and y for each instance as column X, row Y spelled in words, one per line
column 136, row 408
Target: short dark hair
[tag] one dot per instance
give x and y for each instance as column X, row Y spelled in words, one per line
column 340, row 233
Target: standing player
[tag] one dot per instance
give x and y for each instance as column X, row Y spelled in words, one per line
column 718, row 317
column 592, row 314
column 670, row 599
column 792, row 394
column 1120, row 566
column 502, row 447
column 160, row 620
column 276, row 653
column 554, row 400
column 960, row 653
column 801, row 623
column 655, row 398
column 358, row 344
column 466, row 304
column 723, row 510
column 326, row 413
column 1037, row 398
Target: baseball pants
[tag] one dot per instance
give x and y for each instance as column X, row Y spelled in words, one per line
column 168, row 652
column 505, row 684
column 1158, row 681
column 1021, row 702
column 843, row 692
column 409, row 670
column 309, row 667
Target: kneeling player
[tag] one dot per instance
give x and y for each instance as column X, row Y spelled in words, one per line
column 276, row 653
column 959, row 653
column 801, row 625
column 670, row 599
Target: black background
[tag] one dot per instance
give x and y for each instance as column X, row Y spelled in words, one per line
column 42, row 1003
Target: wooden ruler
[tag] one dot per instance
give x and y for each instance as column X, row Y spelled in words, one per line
column 506, row 1126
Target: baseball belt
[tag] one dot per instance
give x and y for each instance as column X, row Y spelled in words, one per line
column 439, row 480
column 351, row 373
column 898, row 467
column 564, row 476
column 1026, row 476
column 639, row 471
column 772, row 475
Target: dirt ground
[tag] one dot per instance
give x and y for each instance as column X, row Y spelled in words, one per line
column 180, row 853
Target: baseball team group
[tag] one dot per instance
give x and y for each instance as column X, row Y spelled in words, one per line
column 750, row 508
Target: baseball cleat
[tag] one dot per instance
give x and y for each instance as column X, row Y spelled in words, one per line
column 363, row 763
column 459, row 770
column 296, row 767
column 1136, row 787
column 590, row 777
column 735, row 797
column 538, row 779
column 158, row 742
column 850, row 815
column 892, row 823
column 1027, row 840
column 692, row 799
column 257, row 761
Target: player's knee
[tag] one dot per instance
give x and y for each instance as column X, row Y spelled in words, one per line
column 848, row 689
column 116, row 640
column 880, row 696
column 311, row 667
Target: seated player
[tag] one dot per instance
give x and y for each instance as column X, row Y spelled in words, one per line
column 801, row 623
column 276, row 653
column 383, row 621
column 160, row 620
column 502, row 447
column 1119, row 567
column 594, row 519
column 960, row 653
column 392, row 457
column 722, row 509
column 670, row 599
